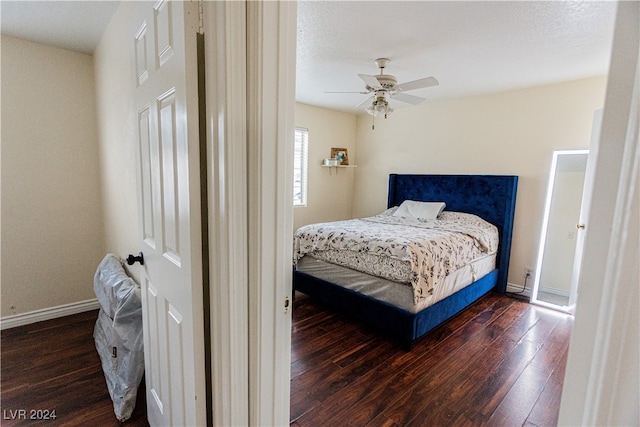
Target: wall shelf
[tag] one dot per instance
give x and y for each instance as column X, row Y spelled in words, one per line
column 338, row 167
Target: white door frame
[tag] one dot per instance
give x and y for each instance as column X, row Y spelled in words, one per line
column 225, row 47
column 271, row 40
column 602, row 381
column 250, row 111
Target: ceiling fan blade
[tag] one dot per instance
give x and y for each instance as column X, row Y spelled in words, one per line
column 409, row 99
column 417, row 84
column 361, row 93
column 371, row 81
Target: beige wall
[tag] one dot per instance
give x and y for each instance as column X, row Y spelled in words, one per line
column 52, row 236
column 506, row 133
column 114, row 77
column 330, row 190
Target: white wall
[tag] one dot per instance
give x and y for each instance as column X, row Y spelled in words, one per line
column 330, row 190
column 52, row 236
column 114, row 77
column 512, row 132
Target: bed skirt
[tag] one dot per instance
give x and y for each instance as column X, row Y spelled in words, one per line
column 399, row 323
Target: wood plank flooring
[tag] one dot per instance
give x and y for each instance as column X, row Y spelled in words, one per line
column 54, row 366
column 499, row 363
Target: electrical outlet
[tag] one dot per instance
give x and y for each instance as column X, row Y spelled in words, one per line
column 528, row 272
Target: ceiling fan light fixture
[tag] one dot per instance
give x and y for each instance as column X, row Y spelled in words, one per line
column 379, row 106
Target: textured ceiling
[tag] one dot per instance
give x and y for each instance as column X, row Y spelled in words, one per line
column 470, row 47
column 73, row 25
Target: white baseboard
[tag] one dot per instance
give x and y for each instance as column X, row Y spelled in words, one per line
column 554, row 291
column 48, row 313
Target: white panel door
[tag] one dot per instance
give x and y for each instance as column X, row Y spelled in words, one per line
column 585, row 207
column 164, row 50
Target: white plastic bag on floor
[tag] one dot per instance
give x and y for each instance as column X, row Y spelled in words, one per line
column 118, row 334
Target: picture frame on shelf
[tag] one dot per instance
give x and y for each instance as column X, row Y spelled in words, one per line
column 341, row 154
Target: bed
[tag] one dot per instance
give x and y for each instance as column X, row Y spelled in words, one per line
column 489, row 197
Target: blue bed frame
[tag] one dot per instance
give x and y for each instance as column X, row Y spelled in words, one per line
column 491, row 197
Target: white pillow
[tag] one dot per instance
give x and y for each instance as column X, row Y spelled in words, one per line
column 424, row 210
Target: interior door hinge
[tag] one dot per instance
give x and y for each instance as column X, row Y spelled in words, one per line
column 200, row 17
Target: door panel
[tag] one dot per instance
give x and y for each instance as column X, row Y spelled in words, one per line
column 169, row 210
column 170, row 213
column 163, row 18
column 146, row 175
column 585, row 208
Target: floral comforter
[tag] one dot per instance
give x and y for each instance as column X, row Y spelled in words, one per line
column 432, row 248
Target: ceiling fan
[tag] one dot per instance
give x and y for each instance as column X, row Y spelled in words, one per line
column 383, row 87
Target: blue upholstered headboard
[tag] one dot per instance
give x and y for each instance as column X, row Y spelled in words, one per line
column 491, row 197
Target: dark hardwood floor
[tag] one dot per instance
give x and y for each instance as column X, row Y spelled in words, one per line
column 53, row 366
column 499, row 363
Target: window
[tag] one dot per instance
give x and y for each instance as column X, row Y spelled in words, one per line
column 300, row 166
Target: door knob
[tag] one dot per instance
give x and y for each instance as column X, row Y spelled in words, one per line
column 131, row 259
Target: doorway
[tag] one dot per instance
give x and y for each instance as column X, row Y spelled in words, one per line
column 560, row 240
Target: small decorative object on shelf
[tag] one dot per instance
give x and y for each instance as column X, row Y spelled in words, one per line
column 341, row 155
